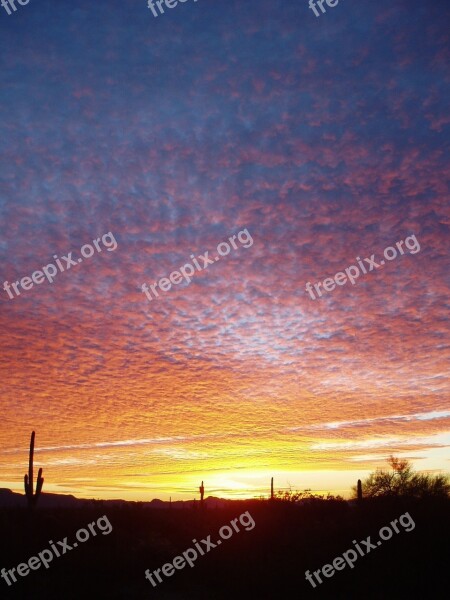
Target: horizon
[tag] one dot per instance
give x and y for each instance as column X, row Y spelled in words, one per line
column 282, row 482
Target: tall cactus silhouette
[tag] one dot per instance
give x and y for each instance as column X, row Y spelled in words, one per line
column 360, row 494
column 32, row 497
column 271, row 488
column 202, row 493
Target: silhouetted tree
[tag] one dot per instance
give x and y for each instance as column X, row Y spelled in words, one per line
column 401, row 480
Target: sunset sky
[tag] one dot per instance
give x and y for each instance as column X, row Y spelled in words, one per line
column 326, row 138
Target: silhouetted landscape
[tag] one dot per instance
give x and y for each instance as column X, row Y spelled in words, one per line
column 290, row 533
column 265, row 563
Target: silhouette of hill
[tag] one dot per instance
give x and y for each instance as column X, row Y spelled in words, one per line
column 10, row 499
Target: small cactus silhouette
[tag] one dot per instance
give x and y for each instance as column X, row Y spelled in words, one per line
column 202, row 493
column 32, row 497
column 360, row 494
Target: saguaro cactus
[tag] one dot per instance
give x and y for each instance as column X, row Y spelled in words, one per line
column 202, row 493
column 271, row 488
column 32, row 497
column 360, row 495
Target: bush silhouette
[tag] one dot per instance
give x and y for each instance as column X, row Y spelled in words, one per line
column 291, row 496
column 403, row 481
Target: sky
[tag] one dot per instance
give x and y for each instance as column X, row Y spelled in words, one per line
column 324, row 139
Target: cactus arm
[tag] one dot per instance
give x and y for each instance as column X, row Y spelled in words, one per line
column 40, row 483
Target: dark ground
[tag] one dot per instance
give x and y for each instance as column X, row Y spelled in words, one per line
column 268, row 562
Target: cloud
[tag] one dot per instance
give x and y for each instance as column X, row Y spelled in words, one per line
column 174, row 136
